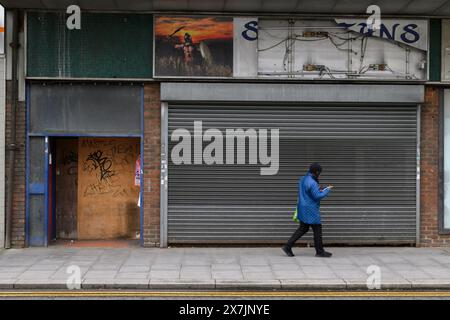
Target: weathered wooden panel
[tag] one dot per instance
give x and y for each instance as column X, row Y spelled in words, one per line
column 107, row 196
column 66, row 188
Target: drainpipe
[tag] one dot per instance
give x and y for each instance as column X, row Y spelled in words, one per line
column 12, row 146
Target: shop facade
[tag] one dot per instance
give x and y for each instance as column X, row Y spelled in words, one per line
column 180, row 148
column 82, row 160
column 365, row 136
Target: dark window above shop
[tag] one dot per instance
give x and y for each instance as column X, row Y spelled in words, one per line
column 108, row 45
column 84, row 109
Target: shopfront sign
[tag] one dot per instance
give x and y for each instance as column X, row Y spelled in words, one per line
column 310, row 49
column 342, row 49
column 410, row 32
column 245, row 40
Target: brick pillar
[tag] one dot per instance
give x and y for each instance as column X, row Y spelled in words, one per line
column 18, row 216
column 429, row 165
column 152, row 154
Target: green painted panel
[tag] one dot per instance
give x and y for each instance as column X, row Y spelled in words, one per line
column 107, row 46
column 435, row 49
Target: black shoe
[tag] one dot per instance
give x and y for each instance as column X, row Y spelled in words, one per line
column 288, row 251
column 324, row 254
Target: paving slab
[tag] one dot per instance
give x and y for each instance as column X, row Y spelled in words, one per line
column 107, row 274
column 285, row 267
column 391, row 258
column 80, row 263
column 135, row 268
column 106, row 267
column 365, row 261
column 256, row 261
column 9, row 275
column 290, row 275
column 226, row 266
column 441, row 258
column 311, row 261
column 228, row 275
column 259, row 276
column 349, row 267
column 45, row 267
column 350, row 274
column 225, row 260
column 161, row 260
column 36, row 274
column 14, row 269
column 165, row 267
column 196, row 262
column 196, row 269
column 165, row 274
column 338, row 261
column 132, row 275
column 307, row 269
column 249, row 269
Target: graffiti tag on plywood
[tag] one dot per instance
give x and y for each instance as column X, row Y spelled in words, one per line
column 95, row 189
column 101, row 164
column 108, row 164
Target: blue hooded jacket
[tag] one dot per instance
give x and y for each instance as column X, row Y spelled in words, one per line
column 309, row 196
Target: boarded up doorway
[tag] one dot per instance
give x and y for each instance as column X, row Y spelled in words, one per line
column 96, row 190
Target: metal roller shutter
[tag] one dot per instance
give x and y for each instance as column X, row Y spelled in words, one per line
column 367, row 152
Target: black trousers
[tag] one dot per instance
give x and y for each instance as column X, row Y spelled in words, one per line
column 302, row 229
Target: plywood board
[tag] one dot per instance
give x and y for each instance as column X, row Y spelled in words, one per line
column 66, row 191
column 107, row 195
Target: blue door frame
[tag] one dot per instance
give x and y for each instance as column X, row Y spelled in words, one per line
column 43, row 189
column 37, row 189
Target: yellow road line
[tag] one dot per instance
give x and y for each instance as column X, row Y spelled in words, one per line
column 225, row 294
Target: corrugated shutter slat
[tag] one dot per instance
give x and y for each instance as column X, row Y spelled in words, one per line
column 368, row 153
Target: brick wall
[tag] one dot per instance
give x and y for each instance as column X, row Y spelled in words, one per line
column 429, row 179
column 18, row 218
column 152, row 150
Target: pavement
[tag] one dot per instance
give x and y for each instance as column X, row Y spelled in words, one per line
column 400, row 268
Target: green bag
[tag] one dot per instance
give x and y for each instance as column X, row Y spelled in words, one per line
column 295, row 217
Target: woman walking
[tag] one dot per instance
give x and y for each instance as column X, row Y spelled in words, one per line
column 308, row 211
